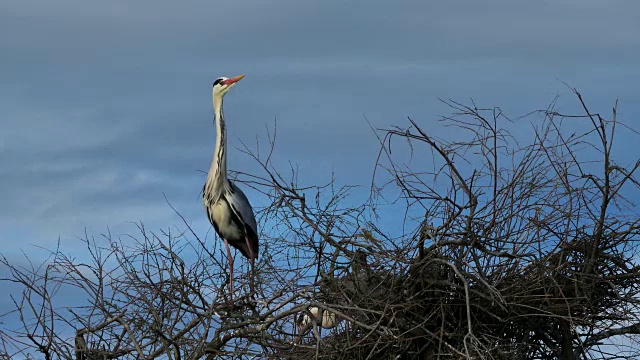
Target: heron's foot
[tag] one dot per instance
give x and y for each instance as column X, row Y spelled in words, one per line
column 231, row 309
column 259, row 302
column 252, row 296
column 229, row 301
column 245, row 301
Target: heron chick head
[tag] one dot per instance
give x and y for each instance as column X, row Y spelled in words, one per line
column 325, row 318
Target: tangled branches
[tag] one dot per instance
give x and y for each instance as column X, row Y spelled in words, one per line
column 530, row 255
column 502, row 251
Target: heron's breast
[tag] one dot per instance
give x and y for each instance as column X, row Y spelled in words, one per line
column 222, row 216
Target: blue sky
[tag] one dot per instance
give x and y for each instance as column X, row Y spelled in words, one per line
column 106, row 106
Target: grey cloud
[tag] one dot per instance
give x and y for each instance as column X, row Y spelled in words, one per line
column 409, row 30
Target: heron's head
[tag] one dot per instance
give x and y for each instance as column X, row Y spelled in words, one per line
column 223, row 84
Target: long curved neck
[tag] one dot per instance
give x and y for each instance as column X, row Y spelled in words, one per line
column 218, row 170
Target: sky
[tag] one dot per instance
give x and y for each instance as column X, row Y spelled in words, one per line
column 106, row 106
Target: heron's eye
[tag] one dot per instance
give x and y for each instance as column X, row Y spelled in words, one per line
column 218, row 81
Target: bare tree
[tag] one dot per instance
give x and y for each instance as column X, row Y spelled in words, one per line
column 503, row 252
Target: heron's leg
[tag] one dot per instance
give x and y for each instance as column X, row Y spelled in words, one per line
column 226, row 243
column 252, row 261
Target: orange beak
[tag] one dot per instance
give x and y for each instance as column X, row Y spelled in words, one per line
column 233, row 80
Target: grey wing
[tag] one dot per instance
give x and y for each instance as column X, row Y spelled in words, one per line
column 238, row 200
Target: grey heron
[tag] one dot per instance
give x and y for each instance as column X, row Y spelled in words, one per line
column 228, row 208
